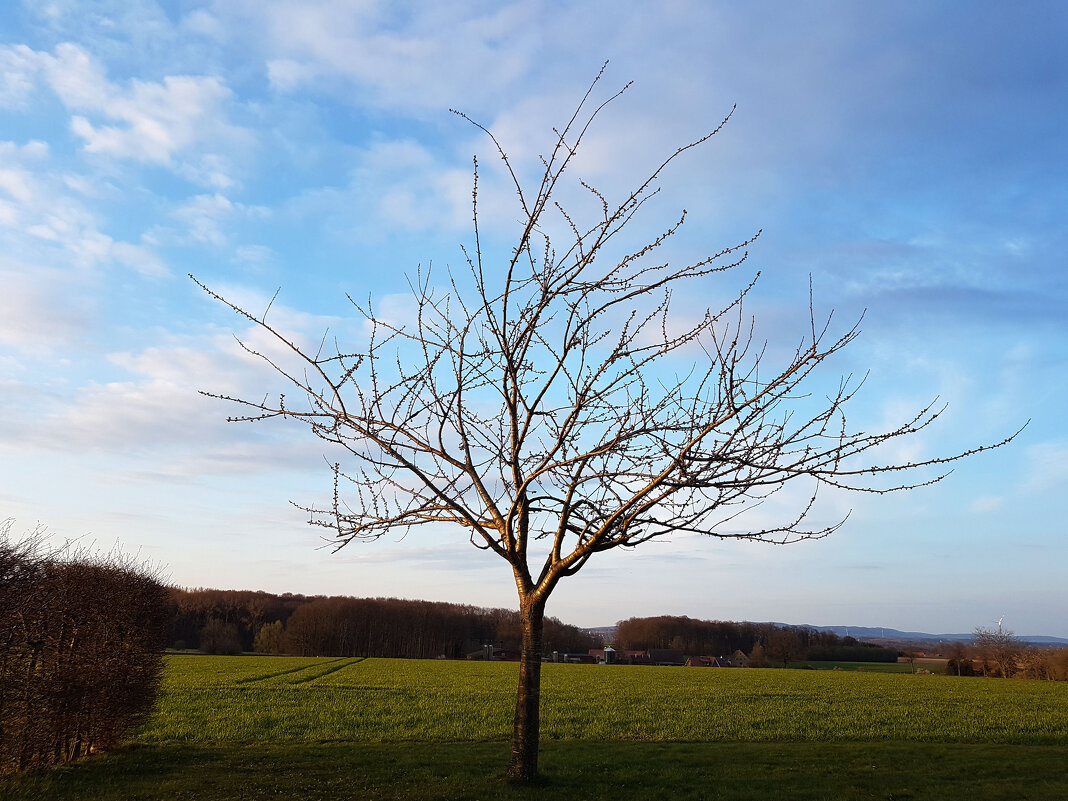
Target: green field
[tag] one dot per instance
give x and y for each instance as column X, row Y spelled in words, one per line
column 399, row 724
column 288, row 700
column 862, row 667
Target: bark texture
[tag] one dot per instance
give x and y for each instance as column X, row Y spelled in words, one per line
column 525, row 733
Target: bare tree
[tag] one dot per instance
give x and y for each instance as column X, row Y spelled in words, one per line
column 1000, row 648
column 958, row 656
column 783, row 642
column 553, row 408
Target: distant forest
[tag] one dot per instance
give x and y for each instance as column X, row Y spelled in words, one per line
column 231, row 621
column 758, row 641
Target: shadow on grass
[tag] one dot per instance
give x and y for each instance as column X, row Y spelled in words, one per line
column 586, row 770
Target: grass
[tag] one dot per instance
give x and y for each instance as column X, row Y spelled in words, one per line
column 863, row 667
column 245, row 700
column 255, row 727
column 587, row 770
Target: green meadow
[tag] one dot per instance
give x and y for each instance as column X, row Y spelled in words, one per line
column 287, row 727
column 211, row 699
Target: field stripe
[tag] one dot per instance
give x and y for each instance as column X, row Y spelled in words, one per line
column 265, row 676
column 331, row 669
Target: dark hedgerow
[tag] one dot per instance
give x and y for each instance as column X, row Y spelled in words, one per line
column 81, row 640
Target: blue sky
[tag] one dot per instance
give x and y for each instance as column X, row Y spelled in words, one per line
column 909, row 157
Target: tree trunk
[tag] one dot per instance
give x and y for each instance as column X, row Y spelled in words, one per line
column 525, row 734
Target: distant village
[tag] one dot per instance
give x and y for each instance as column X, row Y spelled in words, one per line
column 662, row 657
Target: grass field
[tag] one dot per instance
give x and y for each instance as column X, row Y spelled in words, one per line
column 862, row 667
column 256, row 727
column 286, row 699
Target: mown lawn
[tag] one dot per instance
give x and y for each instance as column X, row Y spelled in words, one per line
column 253, row 727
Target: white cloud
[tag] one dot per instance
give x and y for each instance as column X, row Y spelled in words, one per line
column 304, row 328
column 18, row 68
column 205, row 217
column 9, row 214
column 986, row 504
column 254, row 255
column 37, row 207
column 286, row 75
column 14, row 178
column 420, row 194
column 394, row 186
column 398, row 58
column 177, row 122
column 15, row 183
column 137, row 258
column 157, row 414
column 204, row 23
column 1047, row 468
column 397, row 310
column 211, row 169
column 156, row 120
column 40, row 308
column 134, row 22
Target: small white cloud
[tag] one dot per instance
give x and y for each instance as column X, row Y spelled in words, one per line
column 203, row 215
column 32, row 151
column 986, row 504
column 76, row 78
column 398, row 310
column 304, row 328
column 40, row 308
column 19, row 67
column 286, row 75
column 42, row 232
column 254, row 255
column 82, row 185
column 206, row 215
column 138, row 258
column 9, row 214
column 211, row 170
column 16, row 184
column 204, row 23
column 421, row 193
column 1047, row 467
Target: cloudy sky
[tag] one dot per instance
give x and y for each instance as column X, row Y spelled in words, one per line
column 909, row 157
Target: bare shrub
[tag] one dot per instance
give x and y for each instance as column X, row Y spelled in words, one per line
column 81, row 641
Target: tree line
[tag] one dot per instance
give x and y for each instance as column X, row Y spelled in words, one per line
column 81, row 642
column 1002, row 654
column 231, row 621
column 759, row 641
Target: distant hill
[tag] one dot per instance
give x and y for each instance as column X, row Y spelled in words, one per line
column 876, row 634
column 872, row 633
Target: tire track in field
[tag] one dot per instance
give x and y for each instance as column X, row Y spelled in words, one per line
column 287, row 671
column 332, row 668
